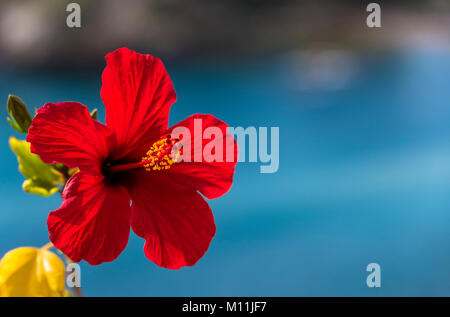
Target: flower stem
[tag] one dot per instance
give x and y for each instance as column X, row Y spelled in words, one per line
column 48, row 246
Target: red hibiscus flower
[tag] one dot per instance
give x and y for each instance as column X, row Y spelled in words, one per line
column 127, row 177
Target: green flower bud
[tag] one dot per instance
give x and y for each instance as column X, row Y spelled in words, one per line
column 94, row 114
column 20, row 117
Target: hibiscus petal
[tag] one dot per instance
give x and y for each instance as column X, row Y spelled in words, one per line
column 211, row 178
column 137, row 93
column 65, row 133
column 93, row 223
column 175, row 220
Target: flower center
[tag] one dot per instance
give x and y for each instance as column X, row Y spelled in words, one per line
column 161, row 156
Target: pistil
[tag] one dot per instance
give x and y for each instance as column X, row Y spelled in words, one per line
column 124, row 167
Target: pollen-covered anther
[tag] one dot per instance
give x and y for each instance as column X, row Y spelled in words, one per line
column 160, row 157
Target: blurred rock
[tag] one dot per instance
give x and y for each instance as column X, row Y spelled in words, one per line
column 33, row 33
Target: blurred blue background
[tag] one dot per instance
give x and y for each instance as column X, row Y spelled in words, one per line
column 364, row 174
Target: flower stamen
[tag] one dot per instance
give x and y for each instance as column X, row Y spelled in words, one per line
column 161, row 155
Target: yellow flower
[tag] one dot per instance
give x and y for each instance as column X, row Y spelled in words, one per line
column 28, row 271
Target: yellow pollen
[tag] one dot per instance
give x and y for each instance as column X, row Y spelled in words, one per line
column 159, row 157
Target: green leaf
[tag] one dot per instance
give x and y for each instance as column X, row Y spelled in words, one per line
column 20, row 116
column 42, row 179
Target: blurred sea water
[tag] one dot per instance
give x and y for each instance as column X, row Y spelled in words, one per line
column 364, row 177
